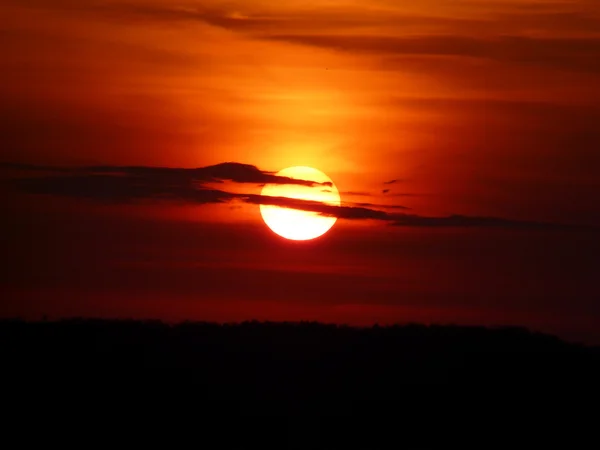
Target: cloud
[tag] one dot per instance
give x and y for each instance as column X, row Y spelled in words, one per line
column 578, row 54
column 374, row 205
column 341, row 212
column 249, row 17
column 119, row 189
column 391, row 181
column 399, row 219
column 134, row 178
column 356, row 193
column 405, row 194
column 385, row 191
column 138, row 183
column 565, row 37
column 408, row 220
column 133, row 183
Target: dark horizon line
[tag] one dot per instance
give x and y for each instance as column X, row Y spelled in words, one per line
column 46, row 319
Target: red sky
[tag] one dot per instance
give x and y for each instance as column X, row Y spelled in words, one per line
column 477, row 108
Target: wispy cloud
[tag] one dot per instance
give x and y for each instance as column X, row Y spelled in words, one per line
column 227, row 171
column 579, row 54
column 501, row 31
column 136, row 183
column 460, row 221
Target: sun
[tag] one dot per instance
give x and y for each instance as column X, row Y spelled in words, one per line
column 296, row 224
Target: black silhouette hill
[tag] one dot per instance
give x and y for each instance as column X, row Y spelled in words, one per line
column 270, row 356
column 343, row 387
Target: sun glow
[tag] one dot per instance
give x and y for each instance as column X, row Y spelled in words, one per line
column 296, row 224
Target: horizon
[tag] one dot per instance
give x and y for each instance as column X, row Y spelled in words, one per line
column 424, row 327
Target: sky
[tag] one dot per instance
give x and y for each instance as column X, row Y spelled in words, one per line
column 136, row 135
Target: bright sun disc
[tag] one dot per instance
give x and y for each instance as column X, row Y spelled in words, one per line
column 295, row 224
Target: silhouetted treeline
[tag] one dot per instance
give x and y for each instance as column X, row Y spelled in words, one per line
column 304, row 369
column 309, row 351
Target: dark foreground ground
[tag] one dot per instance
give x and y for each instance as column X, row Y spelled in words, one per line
column 314, row 372
column 270, row 357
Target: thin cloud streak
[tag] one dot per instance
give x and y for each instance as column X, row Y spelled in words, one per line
column 501, row 36
column 136, row 183
column 572, row 54
column 227, row 171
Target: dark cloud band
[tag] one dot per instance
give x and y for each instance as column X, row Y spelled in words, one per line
column 136, row 183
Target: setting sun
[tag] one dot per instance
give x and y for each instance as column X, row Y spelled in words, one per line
column 296, row 224
column 172, row 162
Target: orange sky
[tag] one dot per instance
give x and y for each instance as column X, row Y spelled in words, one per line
column 470, row 103
column 476, row 108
